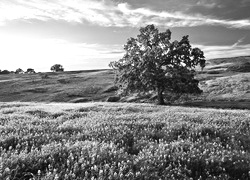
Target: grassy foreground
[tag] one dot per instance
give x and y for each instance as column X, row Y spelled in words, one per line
column 122, row 141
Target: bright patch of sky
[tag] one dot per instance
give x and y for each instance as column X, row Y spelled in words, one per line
column 88, row 34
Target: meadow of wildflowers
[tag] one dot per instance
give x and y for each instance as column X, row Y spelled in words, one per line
column 122, row 141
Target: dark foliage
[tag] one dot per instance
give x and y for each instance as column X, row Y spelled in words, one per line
column 30, row 71
column 153, row 62
column 5, row 72
column 57, row 68
column 19, row 71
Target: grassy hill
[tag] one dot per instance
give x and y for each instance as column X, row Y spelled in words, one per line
column 89, row 85
column 44, row 141
column 225, row 82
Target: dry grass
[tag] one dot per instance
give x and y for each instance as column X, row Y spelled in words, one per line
column 56, row 87
column 229, row 88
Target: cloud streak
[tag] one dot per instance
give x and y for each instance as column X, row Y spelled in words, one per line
column 215, row 51
column 106, row 13
column 238, row 42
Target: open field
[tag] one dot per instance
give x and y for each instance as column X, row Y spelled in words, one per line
column 225, row 83
column 89, row 85
column 122, row 141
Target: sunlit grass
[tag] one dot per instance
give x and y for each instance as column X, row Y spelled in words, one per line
column 122, row 141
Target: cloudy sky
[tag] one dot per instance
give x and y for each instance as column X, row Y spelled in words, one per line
column 88, row 34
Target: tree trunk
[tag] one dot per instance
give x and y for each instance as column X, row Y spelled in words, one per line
column 160, row 97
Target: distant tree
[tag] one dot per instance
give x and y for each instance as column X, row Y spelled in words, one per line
column 153, row 63
column 19, row 71
column 30, row 71
column 57, row 68
column 5, row 72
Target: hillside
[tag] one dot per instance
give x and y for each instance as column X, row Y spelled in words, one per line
column 44, row 141
column 225, row 82
column 84, row 86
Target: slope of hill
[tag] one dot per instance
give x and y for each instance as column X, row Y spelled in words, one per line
column 225, row 83
column 122, row 141
column 92, row 85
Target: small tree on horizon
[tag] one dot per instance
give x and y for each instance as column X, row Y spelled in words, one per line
column 153, row 62
column 19, row 71
column 5, row 71
column 30, row 71
column 57, row 68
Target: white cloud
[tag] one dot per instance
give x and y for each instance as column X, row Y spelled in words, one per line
column 238, row 42
column 105, row 13
column 209, row 4
column 234, row 50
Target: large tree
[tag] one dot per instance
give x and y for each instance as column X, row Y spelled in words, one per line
column 153, row 62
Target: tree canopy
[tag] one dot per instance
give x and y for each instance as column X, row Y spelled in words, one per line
column 5, row 72
column 153, row 62
column 19, row 71
column 57, row 68
column 30, row 71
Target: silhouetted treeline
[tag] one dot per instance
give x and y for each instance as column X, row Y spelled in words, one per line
column 5, row 72
column 18, row 71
